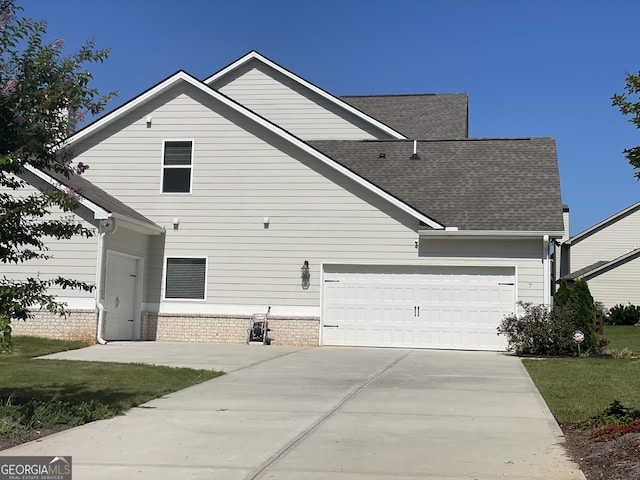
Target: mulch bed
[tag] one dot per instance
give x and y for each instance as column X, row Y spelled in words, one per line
column 605, row 453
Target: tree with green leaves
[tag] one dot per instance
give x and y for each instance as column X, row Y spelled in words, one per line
column 43, row 91
column 628, row 103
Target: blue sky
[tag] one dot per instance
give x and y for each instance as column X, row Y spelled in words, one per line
column 531, row 68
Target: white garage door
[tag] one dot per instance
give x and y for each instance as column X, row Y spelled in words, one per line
column 436, row 307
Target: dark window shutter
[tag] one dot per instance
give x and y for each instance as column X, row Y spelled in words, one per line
column 186, row 278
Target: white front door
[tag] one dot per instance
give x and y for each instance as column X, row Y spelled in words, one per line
column 120, row 296
column 436, row 307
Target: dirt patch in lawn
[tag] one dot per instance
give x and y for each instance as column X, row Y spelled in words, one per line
column 8, row 441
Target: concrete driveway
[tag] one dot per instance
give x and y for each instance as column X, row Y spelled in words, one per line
column 322, row 413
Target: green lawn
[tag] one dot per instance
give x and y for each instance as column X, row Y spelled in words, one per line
column 37, row 392
column 623, row 337
column 578, row 388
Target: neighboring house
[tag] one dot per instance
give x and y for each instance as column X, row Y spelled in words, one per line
column 368, row 220
column 607, row 255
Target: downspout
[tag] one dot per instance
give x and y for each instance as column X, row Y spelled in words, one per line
column 110, row 226
column 546, row 266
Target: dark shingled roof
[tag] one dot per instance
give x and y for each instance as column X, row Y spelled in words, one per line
column 472, row 184
column 420, row 117
column 583, row 271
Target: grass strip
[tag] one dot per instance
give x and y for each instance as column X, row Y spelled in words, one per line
column 36, row 393
column 576, row 389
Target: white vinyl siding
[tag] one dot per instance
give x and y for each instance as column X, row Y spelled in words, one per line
column 607, row 243
column 245, row 174
column 296, row 109
column 74, row 258
column 620, row 285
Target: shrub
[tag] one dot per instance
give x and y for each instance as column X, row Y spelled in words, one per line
column 601, row 344
column 583, row 313
column 623, row 315
column 616, row 414
column 622, row 353
column 539, row 331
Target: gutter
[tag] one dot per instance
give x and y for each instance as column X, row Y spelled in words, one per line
column 452, row 232
column 110, row 226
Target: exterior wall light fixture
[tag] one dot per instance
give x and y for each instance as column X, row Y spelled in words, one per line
column 305, row 275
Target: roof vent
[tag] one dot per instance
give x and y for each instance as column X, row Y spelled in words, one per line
column 415, row 155
column 382, row 155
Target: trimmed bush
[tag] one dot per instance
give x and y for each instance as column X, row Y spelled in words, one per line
column 623, row 315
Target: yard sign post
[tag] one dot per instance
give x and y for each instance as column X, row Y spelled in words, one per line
column 578, row 337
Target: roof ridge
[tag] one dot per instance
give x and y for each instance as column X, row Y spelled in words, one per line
column 376, row 95
column 443, row 140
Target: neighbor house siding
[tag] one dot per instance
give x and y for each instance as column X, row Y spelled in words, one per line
column 292, row 106
column 607, row 243
column 620, row 285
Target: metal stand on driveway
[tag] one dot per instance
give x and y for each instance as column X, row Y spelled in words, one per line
column 258, row 333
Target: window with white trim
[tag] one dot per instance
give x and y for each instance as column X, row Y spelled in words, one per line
column 185, row 278
column 176, row 166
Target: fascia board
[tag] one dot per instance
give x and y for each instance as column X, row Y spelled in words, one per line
column 99, row 213
column 314, row 88
column 486, row 234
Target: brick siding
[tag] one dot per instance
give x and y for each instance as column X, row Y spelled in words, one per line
column 203, row 328
column 77, row 325
column 296, row 331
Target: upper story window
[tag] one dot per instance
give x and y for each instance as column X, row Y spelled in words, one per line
column 177, row 166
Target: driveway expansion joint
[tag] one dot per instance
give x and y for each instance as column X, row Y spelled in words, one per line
column 261, row 470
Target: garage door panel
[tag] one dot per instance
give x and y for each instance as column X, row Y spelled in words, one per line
column 438, row 307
